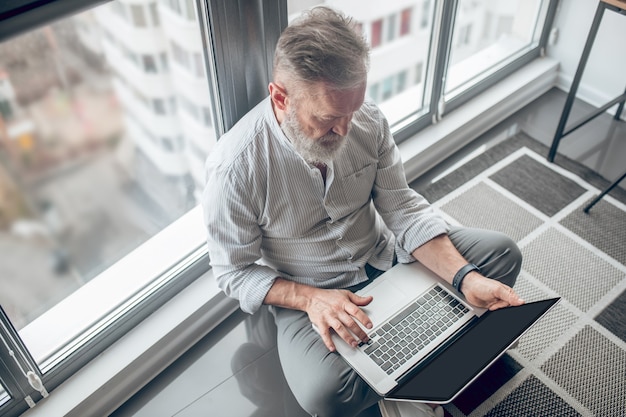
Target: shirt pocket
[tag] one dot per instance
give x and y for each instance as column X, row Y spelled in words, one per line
column 358, row 186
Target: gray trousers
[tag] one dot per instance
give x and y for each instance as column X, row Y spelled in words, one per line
column 323, row 384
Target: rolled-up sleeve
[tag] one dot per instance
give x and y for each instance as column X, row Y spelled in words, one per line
column 406, row 213
column 234, row 238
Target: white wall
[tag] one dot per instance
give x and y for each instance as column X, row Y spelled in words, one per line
column 604, row 77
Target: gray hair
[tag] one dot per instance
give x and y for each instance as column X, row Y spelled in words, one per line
column 322, row 45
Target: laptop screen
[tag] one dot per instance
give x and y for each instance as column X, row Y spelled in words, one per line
column 451, row 370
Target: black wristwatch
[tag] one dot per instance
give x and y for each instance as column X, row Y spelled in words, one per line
column 458, row 277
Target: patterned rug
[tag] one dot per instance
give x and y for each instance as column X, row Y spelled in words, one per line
column 573, row 363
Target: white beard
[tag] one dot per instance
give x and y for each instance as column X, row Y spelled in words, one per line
column 314, row 151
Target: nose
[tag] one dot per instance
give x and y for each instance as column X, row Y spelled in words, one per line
column 342, row 125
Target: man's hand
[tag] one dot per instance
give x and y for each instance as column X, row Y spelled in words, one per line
column 488, row 293
column 339, row 310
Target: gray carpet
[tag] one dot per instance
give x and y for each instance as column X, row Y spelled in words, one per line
column 573, row 363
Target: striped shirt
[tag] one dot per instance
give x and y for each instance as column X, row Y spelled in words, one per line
column 269, row 214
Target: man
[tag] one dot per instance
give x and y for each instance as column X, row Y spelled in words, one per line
column 306, row 199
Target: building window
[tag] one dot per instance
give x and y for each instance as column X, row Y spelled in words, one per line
column 373, row 91
column 391, row 27
column 181, row 57
column 401, row 82
column 174, row 5
column 463, row 38
column 137, row 13
column 154, row 14
column 206, row 116
column 158, row 106
column 198, row 66
column 425, row 18
column 377, row 31
column 387, row 88
column 149, row 64
column 164, row 61
column 419, row 70
column 119, row 9
column 190, row 9
column 167, row 144
column 405, row 22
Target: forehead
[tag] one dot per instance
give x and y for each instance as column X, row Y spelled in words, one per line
column 328, row 101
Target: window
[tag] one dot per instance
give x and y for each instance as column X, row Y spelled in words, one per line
column 419, row 69
column 425, row 18
column 181, row 57
column 190, row 9
column 391, row 28
column 154, row 14
column 401, row 82
column 183, row 8
column 373, row 91
column 164, row 62
column 463, row 37
column 198, row 65
column 139, row 19
column 206, row 116
column 149, row 65
column 92, row 172
column 377, row 30
column 174, row 5
column 387, row 88
column 467, row 60
column 509, row 32
column 159, row 106
column 405, row 22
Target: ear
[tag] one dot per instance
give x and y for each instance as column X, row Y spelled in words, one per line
column 278, row 95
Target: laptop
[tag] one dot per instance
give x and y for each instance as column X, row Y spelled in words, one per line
column 458, row 343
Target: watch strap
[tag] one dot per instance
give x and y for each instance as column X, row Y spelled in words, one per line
column 458, row 277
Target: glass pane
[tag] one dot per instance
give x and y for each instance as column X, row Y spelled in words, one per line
column 4, row 396
column 399, row 34
column 104, row 129
column 487, row 35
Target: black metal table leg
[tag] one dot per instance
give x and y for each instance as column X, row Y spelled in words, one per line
column 576, row 81
column 603, row 193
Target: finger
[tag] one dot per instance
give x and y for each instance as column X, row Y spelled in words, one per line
column 328, row 341
column 499, row 304
column 360, row 301
column 359, row 315
column 508, row 295
column 343, row 332
column 354, row 327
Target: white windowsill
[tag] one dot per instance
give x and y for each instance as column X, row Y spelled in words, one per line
column 116, row 374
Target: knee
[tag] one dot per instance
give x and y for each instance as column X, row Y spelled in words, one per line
column 507, row 264
column 344, row 396
column 323, row 400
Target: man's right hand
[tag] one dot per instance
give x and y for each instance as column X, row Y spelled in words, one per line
column 328, row 310
column 339, row 311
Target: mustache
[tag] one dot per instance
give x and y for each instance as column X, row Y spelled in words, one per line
column 330, row 138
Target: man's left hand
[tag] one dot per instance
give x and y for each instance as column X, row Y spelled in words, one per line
column 488, row 293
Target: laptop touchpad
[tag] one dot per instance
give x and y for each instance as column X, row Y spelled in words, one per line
column 386, row 300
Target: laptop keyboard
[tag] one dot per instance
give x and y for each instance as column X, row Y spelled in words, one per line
column 416, row 326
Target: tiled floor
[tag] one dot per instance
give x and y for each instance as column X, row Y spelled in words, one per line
column 235, row 370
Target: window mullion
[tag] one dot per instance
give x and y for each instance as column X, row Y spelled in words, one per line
column 243, row 35
column 446, row 29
